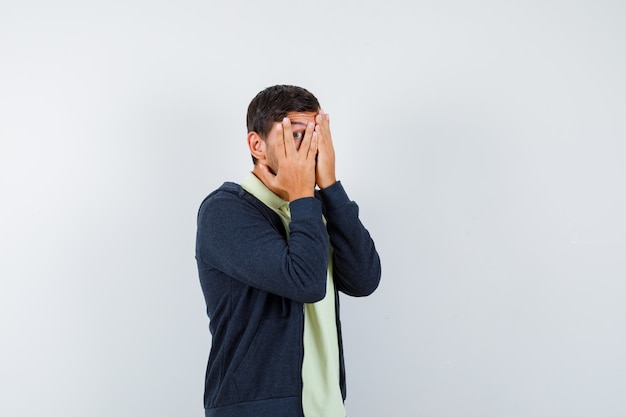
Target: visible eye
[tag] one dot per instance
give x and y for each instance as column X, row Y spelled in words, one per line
column 298, row 135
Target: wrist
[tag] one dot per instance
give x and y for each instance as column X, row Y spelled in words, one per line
column 299, row 195
column 325, row 183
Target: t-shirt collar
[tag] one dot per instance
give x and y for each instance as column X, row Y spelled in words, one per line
column 252, row 184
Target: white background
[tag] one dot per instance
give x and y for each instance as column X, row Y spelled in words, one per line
column 484, row 141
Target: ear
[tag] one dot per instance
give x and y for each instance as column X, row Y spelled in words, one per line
column 256, row 144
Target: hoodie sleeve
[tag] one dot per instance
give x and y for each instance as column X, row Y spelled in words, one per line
column 356, row 263
column 236, row 239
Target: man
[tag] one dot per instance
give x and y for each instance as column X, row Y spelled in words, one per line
column 272, row 255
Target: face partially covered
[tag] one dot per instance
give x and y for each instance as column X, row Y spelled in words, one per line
column 299, row 121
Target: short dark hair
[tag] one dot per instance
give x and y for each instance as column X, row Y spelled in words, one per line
column 272, row 105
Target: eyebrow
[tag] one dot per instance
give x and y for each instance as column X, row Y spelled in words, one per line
column 299, row 123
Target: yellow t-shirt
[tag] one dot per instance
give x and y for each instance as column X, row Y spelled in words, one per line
column 321, row 392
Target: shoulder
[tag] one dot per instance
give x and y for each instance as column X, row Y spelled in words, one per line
column 231, row 200
column 229, row 191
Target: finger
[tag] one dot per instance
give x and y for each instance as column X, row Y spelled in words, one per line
column 314, row 143
column 326, row 121
column 290, row 146
column 325, row 124
column 320, row 136
column 306, row 142
column 267, row 174
column 323, row 116
column 321, row 120
column 280, row 144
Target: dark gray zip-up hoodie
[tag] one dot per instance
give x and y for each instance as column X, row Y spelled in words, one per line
column 255, row 284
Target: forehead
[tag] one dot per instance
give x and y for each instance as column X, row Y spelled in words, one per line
column 301, row 117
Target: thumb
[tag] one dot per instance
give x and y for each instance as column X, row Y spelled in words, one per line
column 266, row 172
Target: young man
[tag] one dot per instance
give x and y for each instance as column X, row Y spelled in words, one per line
column 272, row 255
